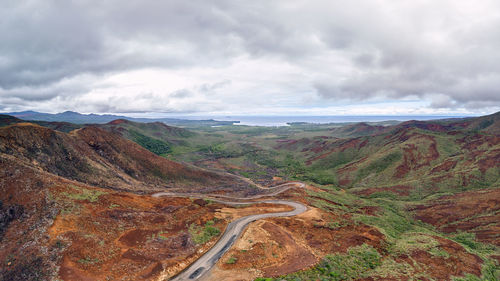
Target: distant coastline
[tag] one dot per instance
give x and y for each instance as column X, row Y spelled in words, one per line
column 214, row 120
column 275, row 121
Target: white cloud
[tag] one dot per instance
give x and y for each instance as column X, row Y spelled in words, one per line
column 251, row 57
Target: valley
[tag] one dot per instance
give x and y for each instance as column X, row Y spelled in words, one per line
column 125, row 200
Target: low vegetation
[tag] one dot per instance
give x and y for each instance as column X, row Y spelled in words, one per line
column 203, row 234
column 357, row 263
column 404, row 236
column 379, row 164
column 156, row 146
column 417, row 200
column 78, row 193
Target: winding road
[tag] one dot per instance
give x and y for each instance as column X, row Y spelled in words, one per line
column 205, row 263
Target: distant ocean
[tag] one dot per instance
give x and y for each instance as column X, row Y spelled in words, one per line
column 283, row 120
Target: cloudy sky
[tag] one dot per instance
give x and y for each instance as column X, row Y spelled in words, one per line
column 309, row 57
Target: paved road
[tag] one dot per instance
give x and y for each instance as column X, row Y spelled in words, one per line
column 202, row 266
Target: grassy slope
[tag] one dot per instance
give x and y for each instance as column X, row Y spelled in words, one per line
column 429, row 172
column 399, row 169
column 405, row 237
column 403, row 171
column 421, row 159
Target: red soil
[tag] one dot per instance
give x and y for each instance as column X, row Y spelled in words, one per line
column 472, row 211
column 459, row 262
column 413, row 156
column 445, row 166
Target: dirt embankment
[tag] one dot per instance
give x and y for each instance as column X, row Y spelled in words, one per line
column 232, row 213
column 264, row 249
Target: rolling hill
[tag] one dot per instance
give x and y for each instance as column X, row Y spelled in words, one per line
column 421, row 158
column 413, row 200
column 95, row 156
column 60, row 191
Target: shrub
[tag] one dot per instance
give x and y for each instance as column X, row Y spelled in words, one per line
column 379, row 165
column 156, row 146
column 202, row 235
column 85, row 194
column 357, row 263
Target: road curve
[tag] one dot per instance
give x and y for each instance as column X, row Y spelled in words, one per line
column 271, row 191
column 205, row 263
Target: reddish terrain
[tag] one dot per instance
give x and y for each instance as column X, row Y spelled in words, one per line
column 284, row 245
column 473, row 211
column 77, row 206
column 98, row 234
column 95, row 156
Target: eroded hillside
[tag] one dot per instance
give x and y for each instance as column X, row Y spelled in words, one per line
column 94, row 156
column 412, row 201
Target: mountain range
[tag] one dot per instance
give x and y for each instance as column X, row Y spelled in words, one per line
column 78, row 118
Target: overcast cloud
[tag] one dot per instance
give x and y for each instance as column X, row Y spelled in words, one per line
column 257, row 57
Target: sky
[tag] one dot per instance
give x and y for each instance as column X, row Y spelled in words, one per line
column 259, row 57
